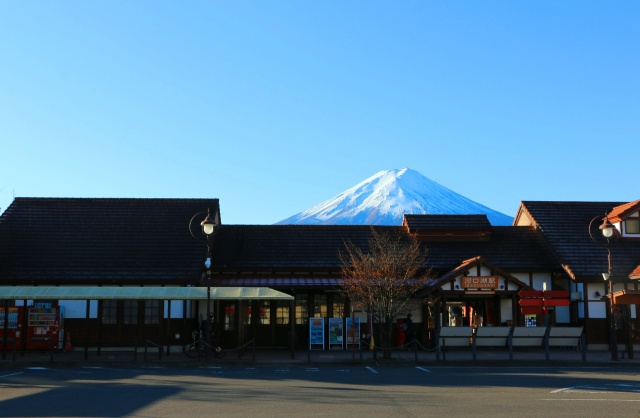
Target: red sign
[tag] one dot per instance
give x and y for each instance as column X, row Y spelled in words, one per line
column 530, row 293
column 546, row 294
column 544, row 302
column 556, row 302
column 531, row 302
column 534, row 311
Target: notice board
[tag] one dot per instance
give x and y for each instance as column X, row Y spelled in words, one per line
column 316, row 333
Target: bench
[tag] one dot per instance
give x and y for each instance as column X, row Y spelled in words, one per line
column 528, row 336
column 492, row 336
column 453, row 337
column 511, row 337
column 565, row 337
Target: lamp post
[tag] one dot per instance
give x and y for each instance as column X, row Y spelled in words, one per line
column 607, row 230
column 208, row 225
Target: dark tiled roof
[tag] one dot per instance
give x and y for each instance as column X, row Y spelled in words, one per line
column 104, row 241
column 565, row 227
column 122, row 241
column 514, row 249
column 287, row 248
column 304, row 248
column 447, row 222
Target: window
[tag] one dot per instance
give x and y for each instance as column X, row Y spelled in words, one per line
column 246, row 318
column 338, row 306
column 130, row 312
column 632, row 226
column 320, row 306
column 302, row 309
column 230, row 317
column 265, row 312
column 282, row 313
column 109, row 312
column 152, row 312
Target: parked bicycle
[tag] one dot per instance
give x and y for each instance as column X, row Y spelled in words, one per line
column 199, row 347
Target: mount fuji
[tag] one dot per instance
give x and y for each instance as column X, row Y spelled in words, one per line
column 385, row 197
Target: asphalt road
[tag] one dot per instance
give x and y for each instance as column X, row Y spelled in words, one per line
column 332, row 391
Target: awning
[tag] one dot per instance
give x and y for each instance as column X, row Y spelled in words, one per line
column 626, row 297
column 147, row 292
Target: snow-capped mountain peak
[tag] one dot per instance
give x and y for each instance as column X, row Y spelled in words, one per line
column 385, row 197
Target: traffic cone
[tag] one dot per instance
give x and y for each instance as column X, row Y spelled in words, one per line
column 67, row 342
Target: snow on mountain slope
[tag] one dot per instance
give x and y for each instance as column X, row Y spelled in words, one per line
column 385, row 197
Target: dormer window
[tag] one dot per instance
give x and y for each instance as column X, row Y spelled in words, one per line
column 632, row 225
column 627, row 219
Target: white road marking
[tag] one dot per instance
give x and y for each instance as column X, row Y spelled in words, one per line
column 372, row 370
column 423, row 369
column 12, row 374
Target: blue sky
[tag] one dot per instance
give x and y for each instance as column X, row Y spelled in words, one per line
column 274, row 106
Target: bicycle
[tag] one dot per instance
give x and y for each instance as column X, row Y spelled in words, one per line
column 198, row 348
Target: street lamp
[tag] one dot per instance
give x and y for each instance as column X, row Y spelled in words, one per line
column 208, row 225
column 607, row 230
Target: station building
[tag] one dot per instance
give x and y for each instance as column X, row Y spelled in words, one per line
column 128, row 270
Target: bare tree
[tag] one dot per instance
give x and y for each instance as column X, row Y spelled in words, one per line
column 383, row 279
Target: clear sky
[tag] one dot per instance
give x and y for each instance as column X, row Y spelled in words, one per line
column 274, row 106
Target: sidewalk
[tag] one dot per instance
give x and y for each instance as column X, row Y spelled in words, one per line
column 175, row 358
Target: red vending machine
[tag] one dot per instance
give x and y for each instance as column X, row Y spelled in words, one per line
column 44, row 326
column 13, row 328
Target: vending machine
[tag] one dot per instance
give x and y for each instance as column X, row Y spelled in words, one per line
column 44, row 326
column 43, row 329
column 13, row 330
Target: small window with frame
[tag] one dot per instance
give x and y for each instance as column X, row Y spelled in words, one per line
column 632, row 226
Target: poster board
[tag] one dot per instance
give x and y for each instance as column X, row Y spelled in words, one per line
column 316, row 333
column 336, row 333
column 353, row 332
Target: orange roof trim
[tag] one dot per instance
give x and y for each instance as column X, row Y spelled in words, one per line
column 619, row 213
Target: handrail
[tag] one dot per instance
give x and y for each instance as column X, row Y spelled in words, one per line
column 148, row 342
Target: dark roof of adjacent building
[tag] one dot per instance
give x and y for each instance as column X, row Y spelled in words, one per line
column 101, row 241
column 570, row 229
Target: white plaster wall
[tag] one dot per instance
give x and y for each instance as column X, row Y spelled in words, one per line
column 539, row 279
column 506, row 311
column 597, row 310
column 484, row 271
column 523, row 277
